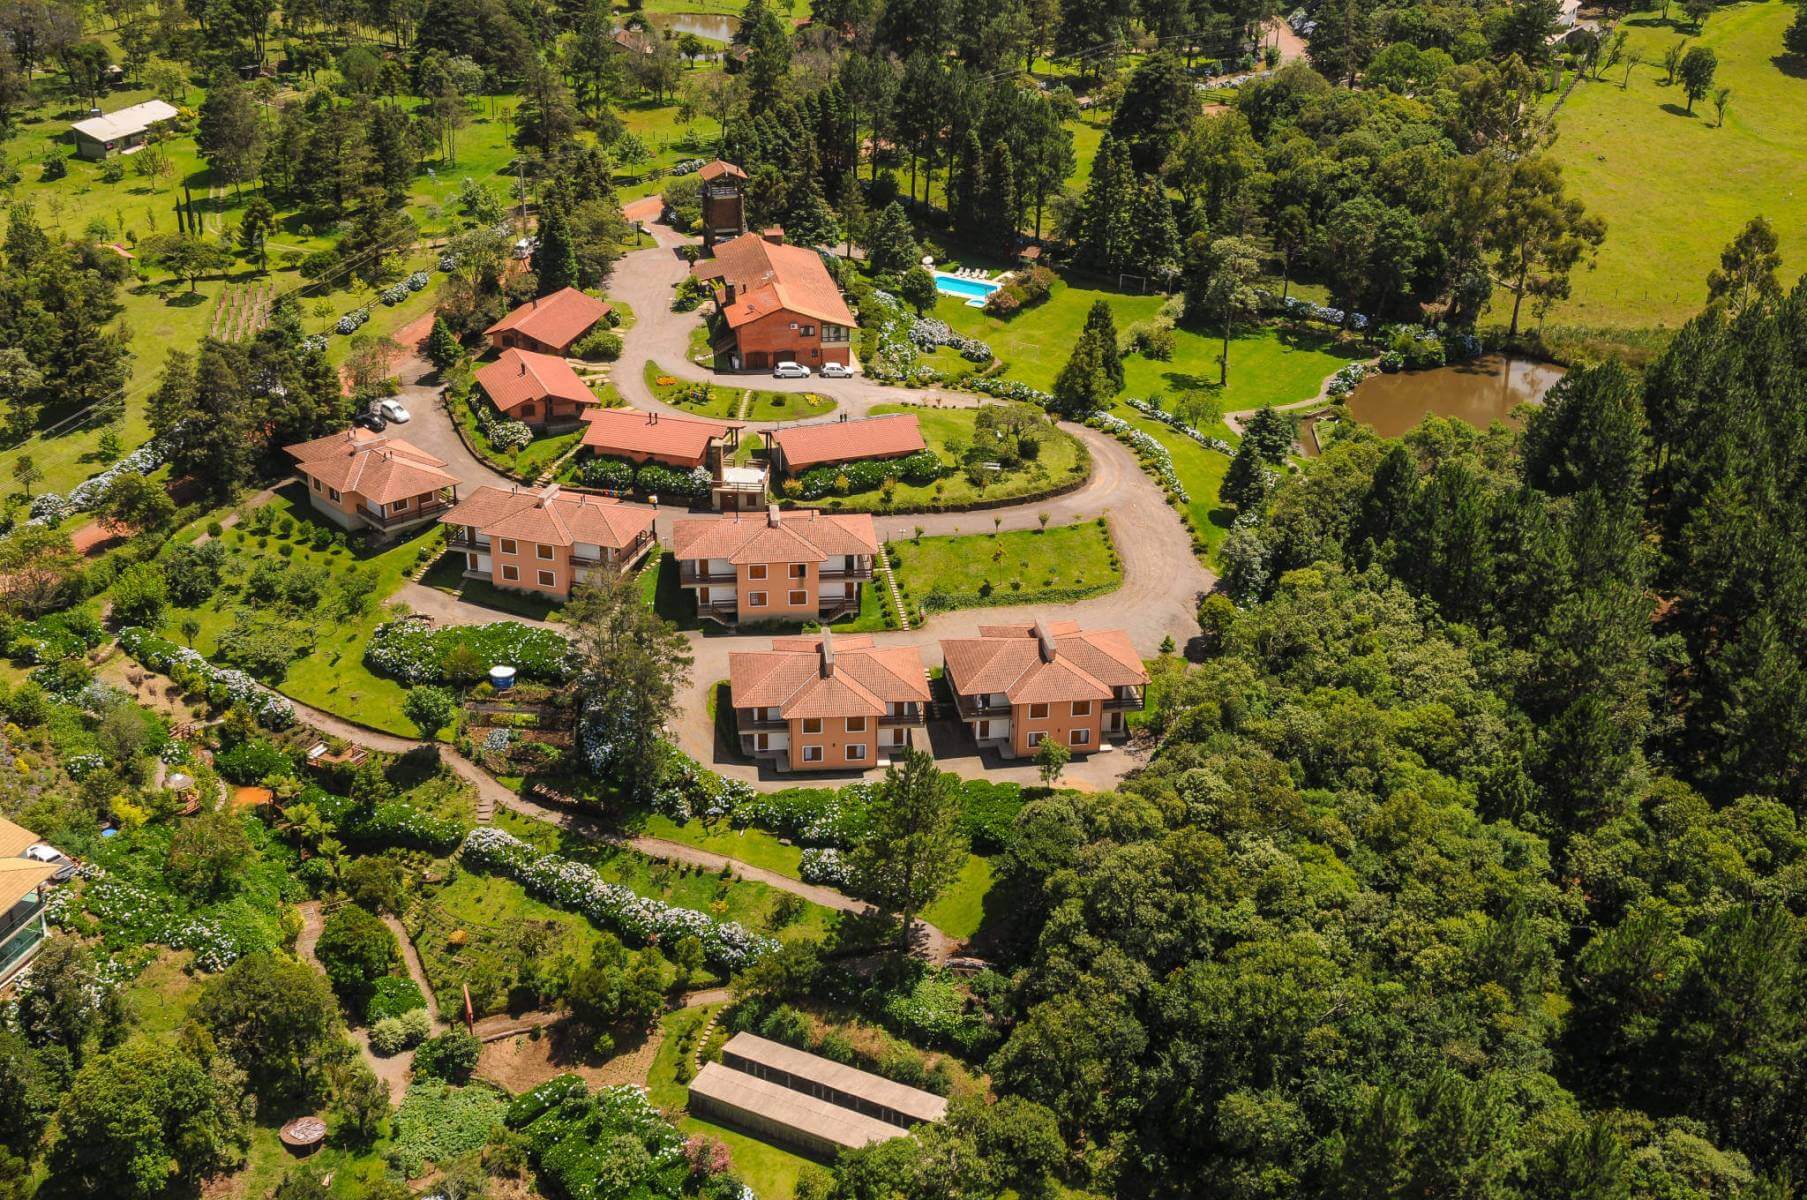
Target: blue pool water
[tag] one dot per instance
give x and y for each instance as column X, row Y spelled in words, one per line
column 974, row 290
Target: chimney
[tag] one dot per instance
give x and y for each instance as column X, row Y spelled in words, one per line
column 774, row 234
column 523, row 363
column 771, row 515
column 827, row 653
column 1045, row 638
column 549, row 494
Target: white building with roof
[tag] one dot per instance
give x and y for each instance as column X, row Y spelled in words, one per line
column 119, row 132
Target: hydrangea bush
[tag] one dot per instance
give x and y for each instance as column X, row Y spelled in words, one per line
column 185, row 664
column 415, row 652
column 579, row 888
column 49, row 507
column 1155, row 412
column 1153, row 455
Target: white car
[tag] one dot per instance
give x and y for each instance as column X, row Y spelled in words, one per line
column 790, row 370
column 394, row 411
column 836, row 371
column 44, row 852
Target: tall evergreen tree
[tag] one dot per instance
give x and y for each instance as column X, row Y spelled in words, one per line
column 554, row 254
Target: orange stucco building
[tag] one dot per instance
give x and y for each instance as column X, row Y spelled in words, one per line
column 777, row 304
column 1015, row 685
column 801, row 565
column 543, row 540
column 826, row 703
column 364, row 480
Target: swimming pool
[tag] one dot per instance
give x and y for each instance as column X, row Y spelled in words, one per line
column 974, row 290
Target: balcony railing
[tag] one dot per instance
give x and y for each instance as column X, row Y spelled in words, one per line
column 848, row 574
column 690, row 575
column 912, row 717
column 1129, row 700
column 458, row 541
column 974, row 706
column 439, row 503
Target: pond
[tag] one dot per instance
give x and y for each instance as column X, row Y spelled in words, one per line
column 1479, row 392
column 713, row 26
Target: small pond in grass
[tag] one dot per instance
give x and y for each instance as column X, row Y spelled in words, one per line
column 711, row 26
column 1479, row 392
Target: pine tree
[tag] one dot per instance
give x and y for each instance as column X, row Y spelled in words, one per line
column 1002, row 215
column 1102, row 325
column 1083, row 385
column 892, row 244
column 1106, row 222
column 966, row 188
column 1794, row 38
column 442, row 344
column 809, row 221
column 555, row 257
column 1157, row 234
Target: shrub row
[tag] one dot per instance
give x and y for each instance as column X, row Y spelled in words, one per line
column 415, row 652
column 841, row 479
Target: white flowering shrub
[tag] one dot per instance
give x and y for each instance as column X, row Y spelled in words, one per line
column 395, row 293
column 49, row 507
column 1010, row 389
column 167, row 658
column 577, row 887
column 510, row 436
column 414, row 652
column 416, row 281
column 927, row 334
column 130, row 913
column 1155, row 412
column 1154, row 456
column 824, row 865
column 1344, row 381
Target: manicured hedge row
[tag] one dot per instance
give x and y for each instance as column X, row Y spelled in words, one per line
column 415, row 652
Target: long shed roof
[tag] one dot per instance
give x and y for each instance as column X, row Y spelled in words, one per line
column 801, row 1064
column 803, row 1113
column 126, row 121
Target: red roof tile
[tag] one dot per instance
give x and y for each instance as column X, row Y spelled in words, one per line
column 852, row 679
column 1047, row 662
column 520, row 376
column 806, row 446
column 380, row 468
column 718, row 168
column 555, row 320
column 803, row 535
column 551, row 517
column 768, row 278
column 633, row 432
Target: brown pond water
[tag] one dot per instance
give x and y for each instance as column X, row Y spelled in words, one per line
column 713, row 26
column 1479, row 392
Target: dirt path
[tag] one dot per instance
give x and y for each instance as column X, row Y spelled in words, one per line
column 411, row 959
column 394, row 1070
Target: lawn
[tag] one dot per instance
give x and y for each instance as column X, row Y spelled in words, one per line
column 959, row 911
column 1061, row 459
column 1060, row 564
column 1268, row 365
column 724, row 403
column 1672, row 188
column 1200, row 472
column 447, row 575
column 333, row 677
column 755, row 905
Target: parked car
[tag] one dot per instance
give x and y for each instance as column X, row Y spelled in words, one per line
column 790, row 370
column 836, row 371
column 370, row 420
column 393, row 410
column 44, row 852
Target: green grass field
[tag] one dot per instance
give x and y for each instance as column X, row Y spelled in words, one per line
column 1064, row 562
column 333, row 677
column 724, row 401
column 1267, row 365
column 1200, row 472
column 1672, row 188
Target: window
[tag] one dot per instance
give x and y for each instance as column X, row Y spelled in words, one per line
column 755, row 599
column 1036, row 736
column 762, row 741
column 809, row 331
column 812, row 724
column 333, row 493
column 526, row 410
column 756, row 571
column 1082, row 737
column 508, row 546
column 548, row 579
column 316, row 485
column 856, row 753
column 799, row 597
column 1038, row 712
column 544, row 552
column 1082, row 708
column 812, row 754
column 799, row 570
column 856, row 724
column 511, row 573
column 834, row 333
column 399, row 506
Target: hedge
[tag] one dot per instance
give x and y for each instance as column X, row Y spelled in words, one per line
column 418, row 653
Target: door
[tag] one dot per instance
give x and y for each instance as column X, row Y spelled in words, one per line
column 984, row 730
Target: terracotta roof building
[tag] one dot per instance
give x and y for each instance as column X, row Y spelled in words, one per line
column 549, row 324
column 1015, row 685
column 724, row 202
column 778, row 304
column 364, row 480
column 800, row 447
column 787, row 566
column 711, row 171
column 826, row 703
column 24, row 885
column 807, row 1101
column 539, row 389
column 640, row 436
column 544, row 540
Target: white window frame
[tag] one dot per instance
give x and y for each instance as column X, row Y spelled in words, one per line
column 1080, row 737
column 855, row 751
column 548, row 579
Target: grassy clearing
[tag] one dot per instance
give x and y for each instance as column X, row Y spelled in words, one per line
column 960, row 910
column 754, row 905
column 333, row 677
column 723, row 403
column 1267, row 366
column 1062, row 563
column 1672, row 188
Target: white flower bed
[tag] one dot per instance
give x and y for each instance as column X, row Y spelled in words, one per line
column 50, row 507
column 1293, row 306
column 578, row 888
column 1154, row 412
column 1010, row 389
column 926, row 334
column 416, row 281
column 510, row 435
column 1344, row 381
column 162, row 655
column 150, row 918
column 825, row 866
column 1152, row 453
